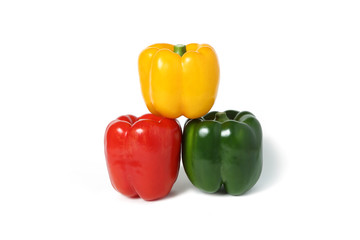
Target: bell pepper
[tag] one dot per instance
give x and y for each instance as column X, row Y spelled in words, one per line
column 179, row 80
column 143, row 155
column 223, row 149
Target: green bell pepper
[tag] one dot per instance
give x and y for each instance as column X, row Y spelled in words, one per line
column 223, row 149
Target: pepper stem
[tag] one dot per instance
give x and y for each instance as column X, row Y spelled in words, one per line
column 221, row 117
column 180, row 49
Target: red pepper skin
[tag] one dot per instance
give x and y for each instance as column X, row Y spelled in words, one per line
column 143, row 155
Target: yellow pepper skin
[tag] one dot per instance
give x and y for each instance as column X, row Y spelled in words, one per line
column 173, row 85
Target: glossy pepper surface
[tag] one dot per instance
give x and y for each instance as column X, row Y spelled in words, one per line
column 179, row 80
column 143, row 155
column 223, row 148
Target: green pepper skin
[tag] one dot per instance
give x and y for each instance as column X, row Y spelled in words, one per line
column 223, row 148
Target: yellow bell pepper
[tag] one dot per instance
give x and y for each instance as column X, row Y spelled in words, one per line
column 179, row 80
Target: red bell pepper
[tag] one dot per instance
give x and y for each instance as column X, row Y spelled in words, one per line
column 143, row 155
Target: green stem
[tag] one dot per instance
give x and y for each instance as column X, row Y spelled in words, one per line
column 180, row 49
column 221, row 117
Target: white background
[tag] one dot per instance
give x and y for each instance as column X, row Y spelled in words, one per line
column 67, row 68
